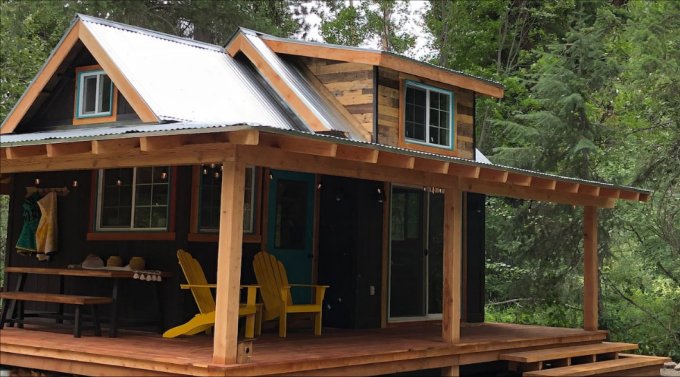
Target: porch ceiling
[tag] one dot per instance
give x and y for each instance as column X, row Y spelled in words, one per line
column 300, row 151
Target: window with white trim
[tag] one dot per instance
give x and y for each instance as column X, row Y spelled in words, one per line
column 94, row 94
column 428, row 115
column 209, row 201
column 133, row 199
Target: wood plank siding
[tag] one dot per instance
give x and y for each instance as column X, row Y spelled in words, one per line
column 390, row 128
column 350, row 83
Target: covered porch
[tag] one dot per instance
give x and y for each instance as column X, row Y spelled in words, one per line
column 447, row 344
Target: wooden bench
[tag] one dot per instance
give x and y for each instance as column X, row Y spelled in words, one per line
column 564, row 356
column 78, row 301
column 626, row 365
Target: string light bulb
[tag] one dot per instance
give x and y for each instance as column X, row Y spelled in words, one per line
column 217, row 174
column 119, row 182
column 75, row 183
column 212, row 166
column 164, row 175
column 205, row 171
column 37, row 181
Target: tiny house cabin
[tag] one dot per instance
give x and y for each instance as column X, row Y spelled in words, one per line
column 355, row 168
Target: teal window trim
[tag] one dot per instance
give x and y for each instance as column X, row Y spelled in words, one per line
column 131, row 228
column 452, row 122
column 250, row 220
column 79, row 86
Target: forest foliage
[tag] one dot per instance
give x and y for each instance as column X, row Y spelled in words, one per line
column 592, row 91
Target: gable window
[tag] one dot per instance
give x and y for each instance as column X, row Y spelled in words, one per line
column 133, row 199
column 95, row 100
column 209, row 201
column 428, row 115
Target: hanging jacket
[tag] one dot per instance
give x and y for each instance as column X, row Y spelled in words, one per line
column 46, row 232
column 31, row 213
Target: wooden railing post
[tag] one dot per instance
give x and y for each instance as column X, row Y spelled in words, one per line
column 229, row 263
column 590, row 275
column 453, row 227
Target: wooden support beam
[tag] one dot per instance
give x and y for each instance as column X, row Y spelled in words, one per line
column 519, row 179
column 349, row 152
column 65, row 149
column 608, row 192
column 118, row 146
column 590, row 274
column 589, row 190
column 434, row 166
column 464, row 171
column 245, row 137
column 642, row 197
column 159, row 143
column 452, row 264
column 571, row 187
column 396, row 160
column 279, row 159
column 629, row 195
column 229, row 263
column 26, row 151
column 493, row 175
column 299, row 145
column 531, row 193
column 543, row 183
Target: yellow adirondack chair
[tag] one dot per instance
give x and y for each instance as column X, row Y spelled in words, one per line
column 275, row 290
column 200, row 289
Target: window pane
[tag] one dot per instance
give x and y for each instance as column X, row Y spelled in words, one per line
column 434, row 100
column 444, row 102
column 142, row 217
column 159, row 217
column 159, row 173
column 160, row 195
column 419, row 132
column 105, row 94
column 89, row 96
column 419, row 115
column 143, row 195
column 144, row 175
column 419, row 97
column 444, row 136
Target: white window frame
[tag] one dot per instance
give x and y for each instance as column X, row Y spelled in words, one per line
column 81, row 91
column 249, row 222
column 452, row 128
column 131, row 228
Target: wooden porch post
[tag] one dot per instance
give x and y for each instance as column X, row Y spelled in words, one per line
column 590, row 275
column 453, row 226
column 229, row 263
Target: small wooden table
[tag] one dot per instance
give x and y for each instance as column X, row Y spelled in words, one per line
column 116, row 275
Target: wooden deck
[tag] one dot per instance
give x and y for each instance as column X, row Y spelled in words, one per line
column 337, row 352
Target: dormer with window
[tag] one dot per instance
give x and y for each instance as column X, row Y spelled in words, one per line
column 95, row 96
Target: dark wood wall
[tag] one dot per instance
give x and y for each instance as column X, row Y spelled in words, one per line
column 138, row 299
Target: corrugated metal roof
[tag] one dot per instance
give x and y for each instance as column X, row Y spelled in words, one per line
column 326, row 112
column 181, row 79
column 113, row 132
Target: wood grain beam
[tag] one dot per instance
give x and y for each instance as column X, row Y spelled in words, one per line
column 589, row 190
column 543, row 183
column 159, row 143
column 464, row 171
column 279, row 159
column 609, row 192
column 229, row 263
column 26, row 151
column 590, row 269
column 452, row 264
column 531, row 193
column 100, row 147
column 396, row 160
column 245, row 137
column 299, row 145
column 519, row 179
column 352, row 153
column 571, row 187
column 493, row 175
column 434, row 166
column 65, row 149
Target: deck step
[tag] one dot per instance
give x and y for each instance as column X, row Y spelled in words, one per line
column 557, row 353
column 624, row 366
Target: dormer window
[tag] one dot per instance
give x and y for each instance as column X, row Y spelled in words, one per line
column 95, row 96
column 428, row 115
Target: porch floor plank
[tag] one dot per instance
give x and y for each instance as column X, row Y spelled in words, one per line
column 407, row 347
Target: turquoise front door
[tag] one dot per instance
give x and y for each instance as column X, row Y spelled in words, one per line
column 290, row 227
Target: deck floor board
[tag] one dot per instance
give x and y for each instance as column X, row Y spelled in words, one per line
column 300, row 351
